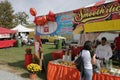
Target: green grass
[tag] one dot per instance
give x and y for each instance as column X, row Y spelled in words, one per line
column 14, row 57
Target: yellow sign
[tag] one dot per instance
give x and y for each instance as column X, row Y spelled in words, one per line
column 110, row 25
column 78, row 29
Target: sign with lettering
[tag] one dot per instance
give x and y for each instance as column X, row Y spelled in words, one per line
column 97, row 13
column 4, row 35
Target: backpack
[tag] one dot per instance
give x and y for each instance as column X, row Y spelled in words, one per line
column 80, row 64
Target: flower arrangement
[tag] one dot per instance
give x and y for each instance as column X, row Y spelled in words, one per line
column 28, row 50
column 33, row 68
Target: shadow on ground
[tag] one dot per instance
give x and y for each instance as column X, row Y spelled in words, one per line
column 25, row 74
column 19, row 64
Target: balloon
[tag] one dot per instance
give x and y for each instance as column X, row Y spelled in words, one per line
column 40, row 20
column 51, row 16
column 44, row 18
column 51, row 19
column 33, row 11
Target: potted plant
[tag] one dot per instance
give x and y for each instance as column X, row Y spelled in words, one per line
column 33, row 69
column 28, row 56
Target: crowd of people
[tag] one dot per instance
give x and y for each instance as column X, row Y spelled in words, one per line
column 25, row 40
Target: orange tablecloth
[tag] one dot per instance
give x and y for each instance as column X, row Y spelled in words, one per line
column 105, row 77
column 57, row 54
column 7, row 43
column 59, row 72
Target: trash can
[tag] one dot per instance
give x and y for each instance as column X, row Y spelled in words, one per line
column 28, row 59
column 19, row 43
column 60, row 44
column 56, row 43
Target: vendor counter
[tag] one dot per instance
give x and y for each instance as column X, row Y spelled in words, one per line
column 57, row 54
column 105, row 77
column 61, row 72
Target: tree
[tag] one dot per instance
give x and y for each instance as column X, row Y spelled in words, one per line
column 6, row 14
column 21, row 18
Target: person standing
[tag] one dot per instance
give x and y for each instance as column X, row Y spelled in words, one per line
column 88, row 60
column 117, row 47
column 103, row 53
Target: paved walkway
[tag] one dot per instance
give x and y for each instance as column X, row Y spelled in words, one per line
column 4, row 75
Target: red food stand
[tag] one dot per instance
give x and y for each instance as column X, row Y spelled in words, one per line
column 5, row 33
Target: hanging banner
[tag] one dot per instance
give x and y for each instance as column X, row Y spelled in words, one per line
column 105, row 14
column 62, row 26
column 64, row 21
column 4, row 35
column 73, row 21
column 47, row 29
column 108, row 11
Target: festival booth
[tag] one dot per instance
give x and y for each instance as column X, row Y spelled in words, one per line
column 20, row 28
column 85, row 21
column 23, row 32
column 5, row 38
column 102, row 18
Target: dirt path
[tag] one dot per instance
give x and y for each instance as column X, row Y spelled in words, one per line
column 8, row 68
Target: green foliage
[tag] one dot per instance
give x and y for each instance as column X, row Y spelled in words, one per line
column 14, row 57
column 6, row 14
column 21, row 18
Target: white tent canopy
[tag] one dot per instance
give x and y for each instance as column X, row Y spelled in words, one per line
column 21, row 28
column 109, row 36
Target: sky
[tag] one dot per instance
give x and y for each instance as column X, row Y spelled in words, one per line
column 44, row 6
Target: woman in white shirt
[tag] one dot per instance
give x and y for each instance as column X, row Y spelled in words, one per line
column 88, row 60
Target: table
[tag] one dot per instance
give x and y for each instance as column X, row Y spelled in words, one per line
column 105, row 77
column 7, row 43
column 57, row 54
column 59, row 72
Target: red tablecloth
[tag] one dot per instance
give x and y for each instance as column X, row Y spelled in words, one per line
column 105, row 77
column 7, row 43
column 57, row 54
column 59, row 72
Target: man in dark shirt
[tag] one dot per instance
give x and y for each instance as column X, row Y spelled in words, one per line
column 117, row 43
column 117, row 47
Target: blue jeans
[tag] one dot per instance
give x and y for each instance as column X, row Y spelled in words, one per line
column 88, row 74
